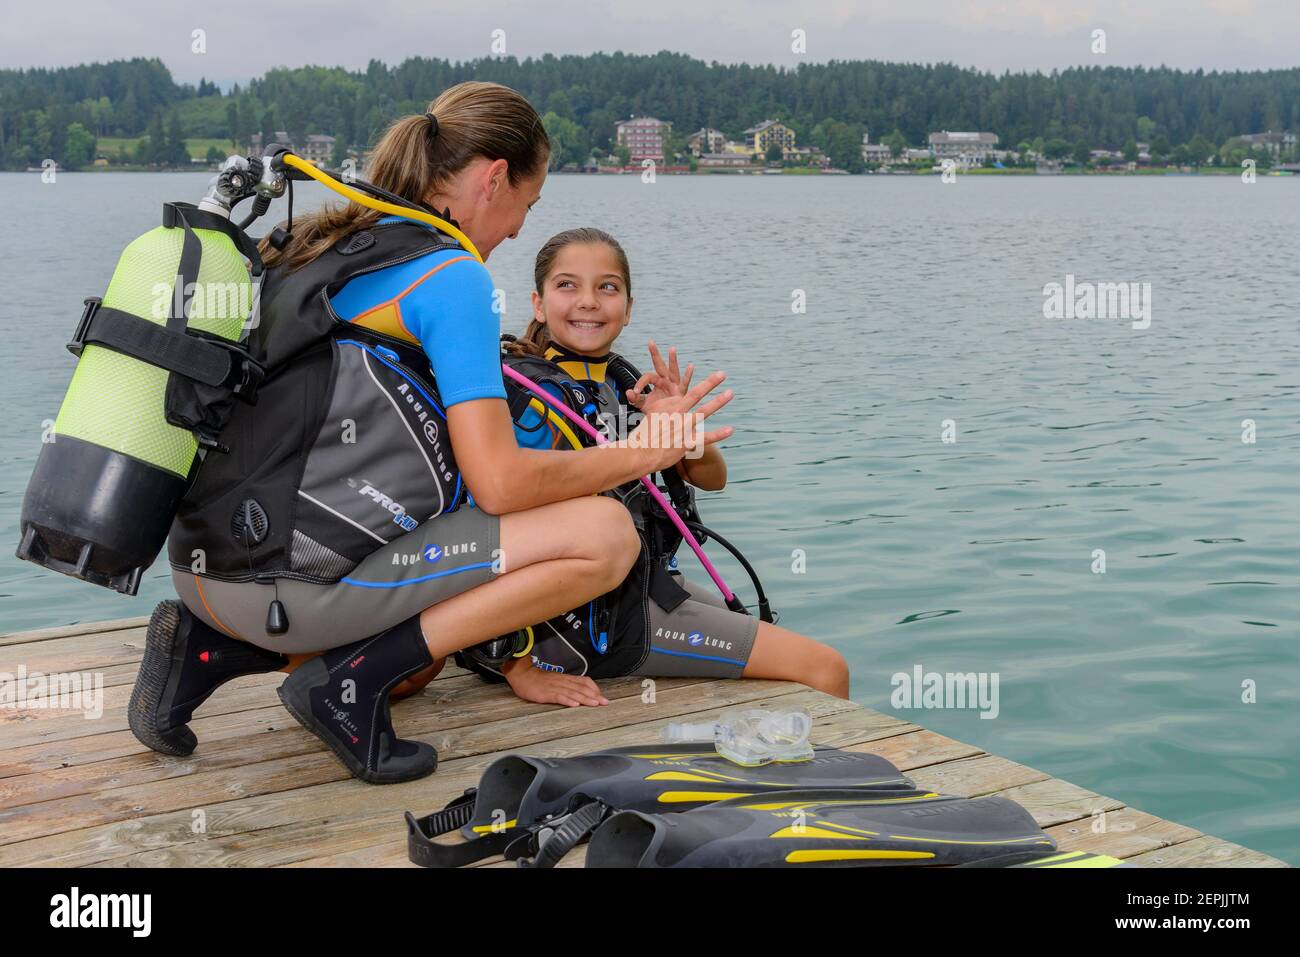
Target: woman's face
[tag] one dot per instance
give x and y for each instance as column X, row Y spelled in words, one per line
column 489, row 209
column 584, row 300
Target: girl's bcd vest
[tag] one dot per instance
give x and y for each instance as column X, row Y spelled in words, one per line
column 347, row 446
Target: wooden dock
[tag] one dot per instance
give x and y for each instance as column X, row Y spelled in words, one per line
column 262, row 792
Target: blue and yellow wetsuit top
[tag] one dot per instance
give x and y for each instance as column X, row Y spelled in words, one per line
column 541, row 428
column 442, row 301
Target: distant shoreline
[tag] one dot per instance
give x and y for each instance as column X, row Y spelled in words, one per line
column 802, row 174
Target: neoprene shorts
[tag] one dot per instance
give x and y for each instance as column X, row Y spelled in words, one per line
column 701, row 637
column 445, row 556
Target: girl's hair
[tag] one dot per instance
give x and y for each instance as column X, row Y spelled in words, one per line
column 474, row 119
column 537, row 336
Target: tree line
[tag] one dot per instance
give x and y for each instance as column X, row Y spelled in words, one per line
column 59, row 113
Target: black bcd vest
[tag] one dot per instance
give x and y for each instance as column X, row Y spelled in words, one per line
column 347, row 446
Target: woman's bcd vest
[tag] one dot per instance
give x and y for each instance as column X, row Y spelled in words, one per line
column 347, row 446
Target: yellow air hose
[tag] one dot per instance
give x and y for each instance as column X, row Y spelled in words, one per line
column 325, row 179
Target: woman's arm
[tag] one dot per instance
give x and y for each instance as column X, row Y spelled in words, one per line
column 503, row 478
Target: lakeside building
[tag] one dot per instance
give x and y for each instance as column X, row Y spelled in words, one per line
column 876, row 154
column 317, row 148
column 728, row 160
column 1275, row 143
column 810, row 156
column 706, row 140
column 968, row 149
column 255, row 144
column 644, row 137
column 760, row 138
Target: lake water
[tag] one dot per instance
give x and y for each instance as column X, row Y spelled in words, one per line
column 1170, row 681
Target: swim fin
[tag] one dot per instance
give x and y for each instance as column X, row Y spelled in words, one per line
column 1076, row 859
column 535, row 809
column 809, row 828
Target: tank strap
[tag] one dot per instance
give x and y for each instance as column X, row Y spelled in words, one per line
column 210, row 360
column 190, row 217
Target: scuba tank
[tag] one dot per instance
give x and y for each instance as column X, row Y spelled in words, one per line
column 160, row 363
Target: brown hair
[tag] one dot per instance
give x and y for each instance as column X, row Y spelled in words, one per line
column 537, row 336
column 473, row 119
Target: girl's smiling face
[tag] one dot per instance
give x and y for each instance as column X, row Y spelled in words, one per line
column 584, row 301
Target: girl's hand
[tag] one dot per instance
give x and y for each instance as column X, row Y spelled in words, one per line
column 667, row 379
column 550, row 687
column 674, row 425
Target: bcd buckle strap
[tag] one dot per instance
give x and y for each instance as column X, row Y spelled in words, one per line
column 664, row 588
column 210, row 360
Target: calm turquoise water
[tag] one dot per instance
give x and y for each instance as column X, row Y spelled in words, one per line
column 924, row 304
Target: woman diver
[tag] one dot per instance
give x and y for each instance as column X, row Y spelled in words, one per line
column 582, row 302
column 341, row 524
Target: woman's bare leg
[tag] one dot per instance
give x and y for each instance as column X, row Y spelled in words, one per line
column 555, row 558
column 786, row 655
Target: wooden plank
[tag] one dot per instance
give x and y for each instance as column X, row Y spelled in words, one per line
column 80, row 628
column 1205, row 852
column 303, row 825
column 83, row 792
column 315, row 765
column 1124, row 832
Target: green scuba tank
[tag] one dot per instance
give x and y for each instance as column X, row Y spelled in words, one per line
column 160, row 362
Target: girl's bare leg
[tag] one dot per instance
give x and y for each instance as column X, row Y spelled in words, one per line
column 555, row 557
column 786, row 655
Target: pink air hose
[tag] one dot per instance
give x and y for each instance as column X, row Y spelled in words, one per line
column 655, row 494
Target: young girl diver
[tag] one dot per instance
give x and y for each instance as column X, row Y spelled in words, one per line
column 582, row 302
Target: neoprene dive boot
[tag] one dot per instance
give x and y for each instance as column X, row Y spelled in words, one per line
column 184, row 661
column 342, row 698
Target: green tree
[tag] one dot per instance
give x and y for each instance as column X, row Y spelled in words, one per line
column 340, row 154
column 1131, row 151
column 78, row 147
column 215, row 155
column 568, row 142
column 1056, row 149
column 774, row 153
column 896, row 142
column 176, row 152
column 1199, row 150
column 232, row 122
column 152, row 150
column 1233, row 151
column 1160, row 146
column 1146, row 128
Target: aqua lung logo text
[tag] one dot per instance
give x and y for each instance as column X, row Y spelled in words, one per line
column 399, row 513
column 432, row 553
column 430, row 427
column 344, row 720
column 695, row 639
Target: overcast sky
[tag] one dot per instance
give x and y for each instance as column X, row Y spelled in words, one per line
column 245, row 39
